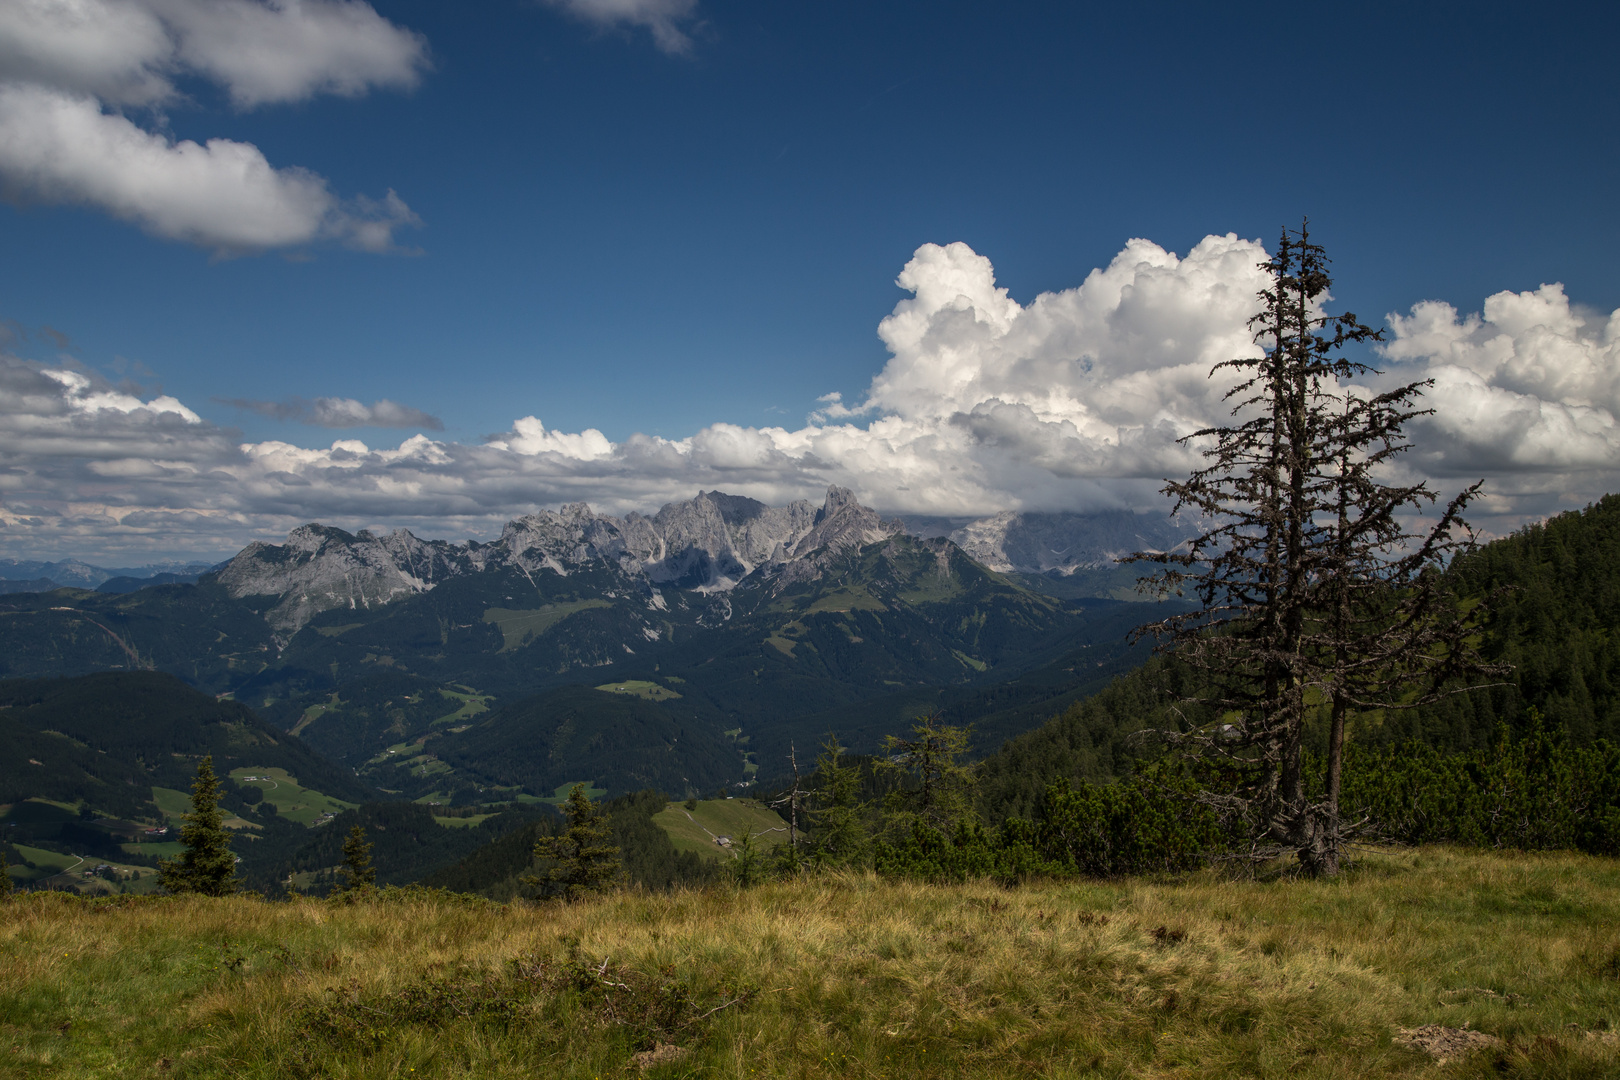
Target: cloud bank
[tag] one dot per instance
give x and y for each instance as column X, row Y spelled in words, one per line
column 1074, row 401
column 68, row 69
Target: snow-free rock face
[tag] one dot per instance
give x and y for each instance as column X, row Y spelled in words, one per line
column 707, row 544
column 840, row 524
column 320, row 568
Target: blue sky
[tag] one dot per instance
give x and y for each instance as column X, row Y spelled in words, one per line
column 655, row 216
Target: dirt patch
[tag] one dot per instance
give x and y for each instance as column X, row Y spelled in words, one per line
column 1445, row 1043
column 658, row 1055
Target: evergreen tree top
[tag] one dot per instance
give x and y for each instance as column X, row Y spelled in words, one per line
column 206, row 866
column 583, row 860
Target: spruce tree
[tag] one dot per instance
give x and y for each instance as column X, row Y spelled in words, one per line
column 206, row 866
column 1315, row 595
column 838, row 836
column 936, row 791
column 357, row 861
column 582, row 860
column 747, row 865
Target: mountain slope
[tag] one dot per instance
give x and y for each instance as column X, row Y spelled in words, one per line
column 1557, row 624
column 1556, row 620
column 745, row 628
column 110, row 738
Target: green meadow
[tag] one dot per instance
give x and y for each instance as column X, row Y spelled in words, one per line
column 1423, row 963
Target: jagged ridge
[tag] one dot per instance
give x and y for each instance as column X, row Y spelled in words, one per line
column 707, row 544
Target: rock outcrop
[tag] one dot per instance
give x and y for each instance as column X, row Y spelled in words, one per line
column 707, row 544
column 320, row 568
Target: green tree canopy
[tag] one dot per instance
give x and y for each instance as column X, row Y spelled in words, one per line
column 937, row 790
column 206, row 866
column 582, row 860
column 357, row 860
column 839, row 837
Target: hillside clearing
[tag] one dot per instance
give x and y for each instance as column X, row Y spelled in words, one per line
column 519, row 626
column 282, row 791
column 640, row 688
column 699, row 828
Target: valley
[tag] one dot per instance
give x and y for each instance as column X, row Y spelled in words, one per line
column 687, row 651
column 339, row 677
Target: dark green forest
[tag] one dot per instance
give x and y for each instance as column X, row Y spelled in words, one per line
column 110, row 737
column 1555, row 619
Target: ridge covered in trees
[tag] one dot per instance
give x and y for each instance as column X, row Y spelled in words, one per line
column 1555, row 623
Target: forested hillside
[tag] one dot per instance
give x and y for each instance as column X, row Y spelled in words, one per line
column 409, row 841
column 110, row 738
column 646, row 853
column 1555, row 601
column 1556, row 621
column 528, row 677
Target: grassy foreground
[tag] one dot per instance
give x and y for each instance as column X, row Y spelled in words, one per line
column 842, row 977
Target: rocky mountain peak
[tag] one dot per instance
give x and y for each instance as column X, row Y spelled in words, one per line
column 312, row 538
column 320, row 568
column 707, row 544
column 734, row 510
column 842, row 523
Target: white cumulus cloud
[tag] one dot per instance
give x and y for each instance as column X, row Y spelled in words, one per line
column 67, row 66
column 662, row 17
column 1072, row 401
column 1526, row 393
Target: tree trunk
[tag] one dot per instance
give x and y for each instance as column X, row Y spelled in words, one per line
column 1330, row 860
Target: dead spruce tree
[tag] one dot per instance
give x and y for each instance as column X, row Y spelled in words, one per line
column 1317, row 601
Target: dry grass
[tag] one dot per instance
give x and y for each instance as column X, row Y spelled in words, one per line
column 845, row 977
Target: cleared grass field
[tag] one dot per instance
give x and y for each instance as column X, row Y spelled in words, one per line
column 54, row 870
column 853, row 598
column 696, row 829
column 518, row 626
column 640, row 688
column 171, row 802
column 315, row 712
column 469, row 703
column 462, row 822
column 560, row 795
column 282, row 791
column 45, row 862
column 1517, row 957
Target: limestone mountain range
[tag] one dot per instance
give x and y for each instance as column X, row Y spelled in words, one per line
column 707, row 544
